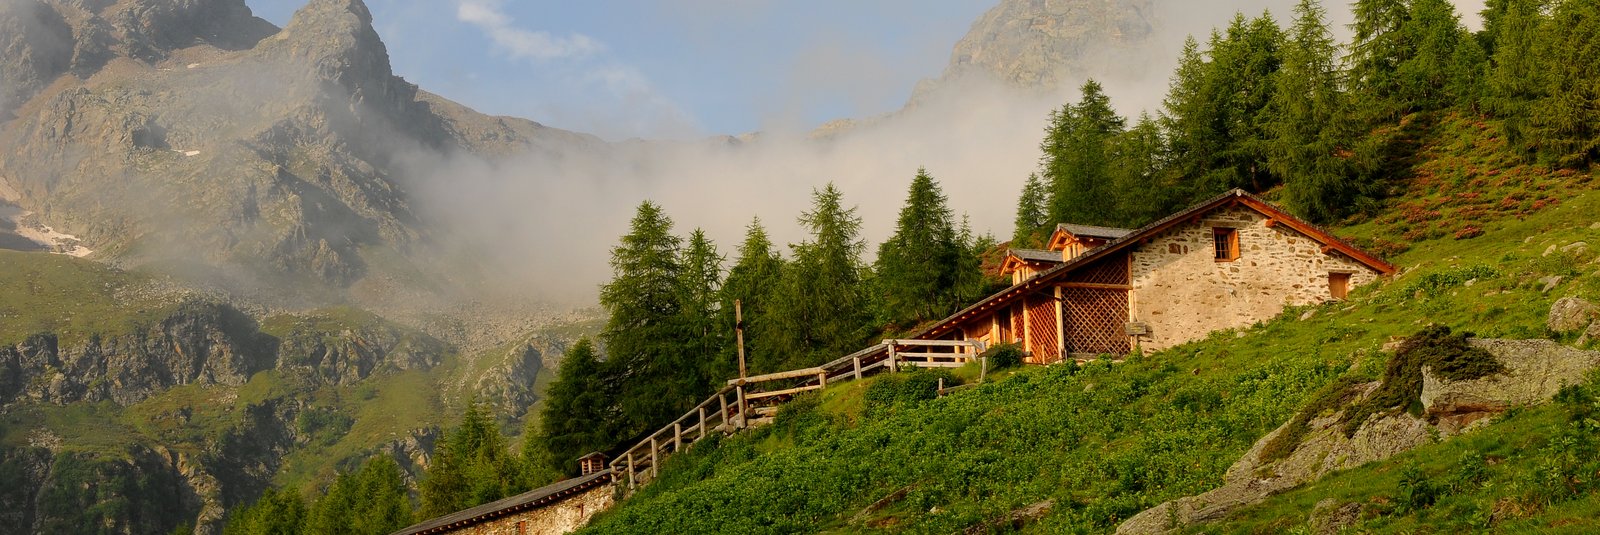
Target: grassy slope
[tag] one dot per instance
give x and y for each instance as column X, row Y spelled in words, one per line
column 1106, row 442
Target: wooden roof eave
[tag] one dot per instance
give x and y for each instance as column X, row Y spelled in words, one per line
column 1328, row 240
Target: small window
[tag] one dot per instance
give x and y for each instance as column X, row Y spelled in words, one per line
column 1227, row 241
column 1338, row 285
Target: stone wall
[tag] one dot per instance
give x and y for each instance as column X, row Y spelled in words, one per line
column 564, row 516
column 1183, row 293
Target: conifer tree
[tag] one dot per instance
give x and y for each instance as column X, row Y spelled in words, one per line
column 699, row 286
column 971, row 282
column 1380, row 45
column 820, row 312
column 1075, row 158
column 471, row 466
column 1241, row 79
column 1516, row 75
column 1308, row 121
column 1138, row 175
column 644, row 334
column 1191, row 122
column 916, row 270
column 276, row 512
column 1427, row 77
column 752, row 281
column 370, row 501
column 1031, row 217
column 577, row 411
column 1565, row 123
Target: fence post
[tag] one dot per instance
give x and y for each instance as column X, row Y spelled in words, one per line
column 630, row 471
column 744, row 408
column 722, row 399
column 941, row 387
column 983, row 368
column 856, row 361
column 655, row 458
column 702, row 409
column 822, row 378
column 893, row 368
column 677, row 437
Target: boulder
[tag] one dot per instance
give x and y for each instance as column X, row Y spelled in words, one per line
column 1535, row 371
column 1569, row 314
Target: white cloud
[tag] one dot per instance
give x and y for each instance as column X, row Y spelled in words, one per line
column 520, row 43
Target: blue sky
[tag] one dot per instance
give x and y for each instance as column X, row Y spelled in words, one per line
column 676, row 68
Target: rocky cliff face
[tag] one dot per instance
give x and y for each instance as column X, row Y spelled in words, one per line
column 1044, row 44
column 191, row 134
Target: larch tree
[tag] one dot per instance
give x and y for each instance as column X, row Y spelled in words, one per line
column 1566, row 121
column 752, row 281
column 699, row 291
column 917, row 267
column 1032, row 218
column 276, row 512
column 1308, row 121
column 1142, row 187
column 369, row 501
column 1377, row 49
column 1075, row 158
column 644, row 333
column 577, row 410
column 820, row 311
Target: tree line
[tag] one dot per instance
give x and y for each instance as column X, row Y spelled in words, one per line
column 1260, row 106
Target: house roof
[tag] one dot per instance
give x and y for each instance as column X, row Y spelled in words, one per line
column 528, row 500
column 1091, row 231
column 1236, row 196
column 1036, row 255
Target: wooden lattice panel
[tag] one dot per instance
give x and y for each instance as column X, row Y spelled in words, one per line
column 1017, row 321
column 1043, row 334
column 1112, row 270
column 1096, row 319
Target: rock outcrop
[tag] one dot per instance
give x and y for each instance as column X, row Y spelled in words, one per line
column 1534, row 371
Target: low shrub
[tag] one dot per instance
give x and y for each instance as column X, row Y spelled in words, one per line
column 1003, row 356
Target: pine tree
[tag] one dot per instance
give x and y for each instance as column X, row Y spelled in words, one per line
column 1242, row 73
column 752, row 281
column 1031, row 217
column 916, row 270
column 1191, row 122
column 578, row 412
column 1565, row 122
column 1308, row 121
column 819, row 312
column 971, row 282
column 699, row 286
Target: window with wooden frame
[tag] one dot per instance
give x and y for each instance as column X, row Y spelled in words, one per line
column 1227, row 241
column 1339, row 285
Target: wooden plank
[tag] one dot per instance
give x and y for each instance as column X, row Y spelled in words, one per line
column 929, row 343
column 904, row 356
column 786, row 391
column 938, row 364
column 775, row 376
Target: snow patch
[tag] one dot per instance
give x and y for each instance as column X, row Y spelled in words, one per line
column 187, row 152
column 29, row 227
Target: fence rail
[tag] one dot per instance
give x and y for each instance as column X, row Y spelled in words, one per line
column 735, row 406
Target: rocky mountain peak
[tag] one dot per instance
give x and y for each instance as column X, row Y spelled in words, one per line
column 1044, row 43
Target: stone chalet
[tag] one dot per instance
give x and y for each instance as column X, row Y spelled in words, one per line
column 1230, row 261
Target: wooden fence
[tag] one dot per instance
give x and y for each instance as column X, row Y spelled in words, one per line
column 753, row 400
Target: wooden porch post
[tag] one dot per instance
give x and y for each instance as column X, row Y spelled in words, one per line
column 1061, row 331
